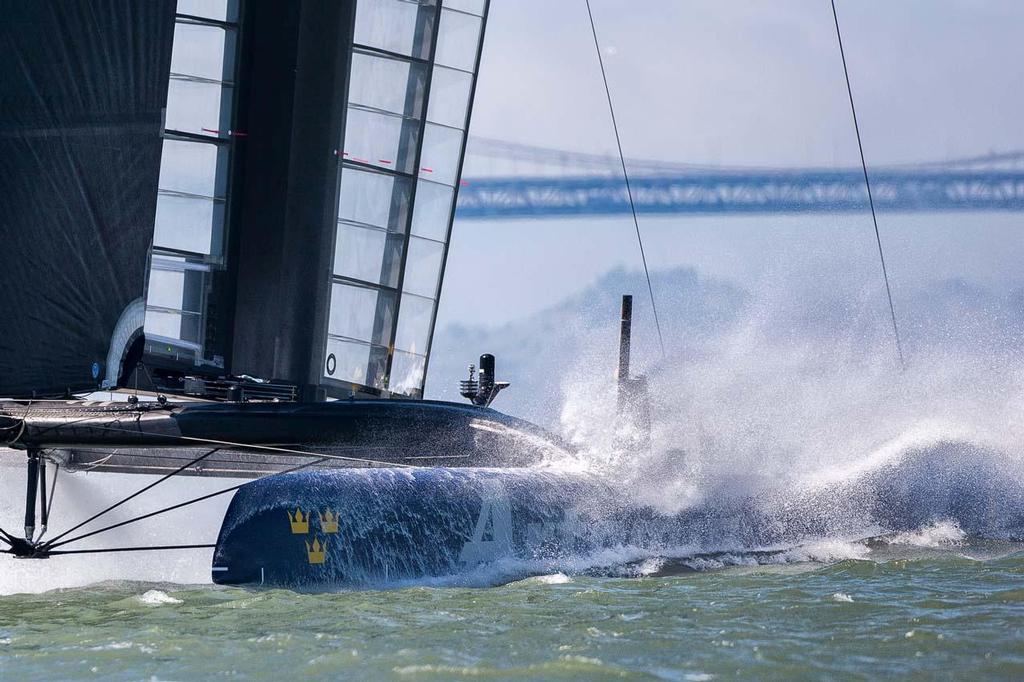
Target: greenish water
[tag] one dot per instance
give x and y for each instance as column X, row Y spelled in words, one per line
column 925, row 614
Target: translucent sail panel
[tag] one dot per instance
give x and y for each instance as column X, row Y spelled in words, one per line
column 423, row 267
column 380, row 139
column 449, row 97
column 175, row 301
column 361, row 319
column 433, row 210
column 218, row 10
column 200, row 92
column 356, row 362
column 386, row 83
column 361, row 313
column 407, row 374
column 368, row 254
column 198, row 107
column 371, row 198
column 415, row 315
column 203, row 51
column 191, row 200
column 458, row 40
column 441, row 155
column 194, row 168
column 396, row 26
column 188, row 223
column 476, row 7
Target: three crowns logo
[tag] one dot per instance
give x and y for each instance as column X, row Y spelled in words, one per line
column 317, row 551
column 328, row 521
column 298, row 521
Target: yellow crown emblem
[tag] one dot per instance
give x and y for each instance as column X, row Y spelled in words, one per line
column 317, row 551
column 328, row 521
column 299, row 521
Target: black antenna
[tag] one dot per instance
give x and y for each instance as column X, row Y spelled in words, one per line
column 871, row 201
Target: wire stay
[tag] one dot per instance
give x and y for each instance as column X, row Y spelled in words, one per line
column 625, row 175
column 867, row 184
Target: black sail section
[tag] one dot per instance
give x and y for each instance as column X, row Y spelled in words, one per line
column 82, row 88
column 293, row 77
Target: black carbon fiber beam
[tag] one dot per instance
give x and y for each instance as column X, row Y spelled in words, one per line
column 30, row 494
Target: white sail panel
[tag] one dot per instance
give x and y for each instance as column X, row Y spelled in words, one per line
column 402, row 154
column 442, row 153
column 394, row 26
column 387, row 83
column 219, row 10
column 189, row 238
column 450, row 91
column 189, row 223
column 372, row 198
column 368, row 254
column 174, row 303
column 433, row 210
column 458, row 40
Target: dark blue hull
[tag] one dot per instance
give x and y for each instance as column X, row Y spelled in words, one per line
column 357, row 528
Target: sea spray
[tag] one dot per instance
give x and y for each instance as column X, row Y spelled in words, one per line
column 794, row 427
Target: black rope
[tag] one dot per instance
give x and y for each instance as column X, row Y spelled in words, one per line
column 625, row 174
column 135, row 494
column 6, row 537
column 867, row 183
column 129, row 549
column 53, row 544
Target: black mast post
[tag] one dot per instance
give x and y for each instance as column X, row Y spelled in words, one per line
column 44, row 512
column 30, row 494
column 625, row 334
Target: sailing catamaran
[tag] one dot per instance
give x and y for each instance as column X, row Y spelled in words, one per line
column 226, row 224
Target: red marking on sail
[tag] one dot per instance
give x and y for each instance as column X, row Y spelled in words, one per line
column 356, row 158
column 209, row 130
column 427, row 170
column 464, row 183
column 383, row 161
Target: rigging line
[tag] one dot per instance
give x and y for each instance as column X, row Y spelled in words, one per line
column 151, row 548
column 135, row 494
column 867, row 184
column 51, row 544
column 625, row 174
column 53, row 486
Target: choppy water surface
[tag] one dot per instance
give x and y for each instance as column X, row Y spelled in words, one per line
column 952, row 609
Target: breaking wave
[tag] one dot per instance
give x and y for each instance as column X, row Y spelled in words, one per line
column 792, row 438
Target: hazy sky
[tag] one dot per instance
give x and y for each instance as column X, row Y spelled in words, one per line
column 742, row 82
column 757, row 81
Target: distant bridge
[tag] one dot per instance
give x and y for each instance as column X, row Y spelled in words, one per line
column 561, row 183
